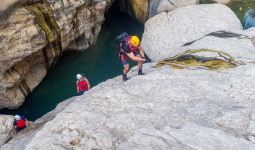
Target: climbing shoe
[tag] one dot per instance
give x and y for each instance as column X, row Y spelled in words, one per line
column 124, row 77
column 140, row 72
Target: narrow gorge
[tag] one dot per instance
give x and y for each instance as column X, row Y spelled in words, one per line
column 196, row 94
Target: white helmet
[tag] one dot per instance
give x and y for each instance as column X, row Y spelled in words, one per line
column 78, row 76
column 17, row 117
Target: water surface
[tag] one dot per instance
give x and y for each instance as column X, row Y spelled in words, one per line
column 99, row 63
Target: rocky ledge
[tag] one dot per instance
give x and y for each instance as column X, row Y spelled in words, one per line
column 165, row 109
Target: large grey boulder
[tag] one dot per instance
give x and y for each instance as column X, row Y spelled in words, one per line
column 224, row 45
column 166, row 32
column 167, row 109
column 6, row 122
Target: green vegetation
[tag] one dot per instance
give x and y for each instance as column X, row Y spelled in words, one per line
column 206, row 1
column 241, row 7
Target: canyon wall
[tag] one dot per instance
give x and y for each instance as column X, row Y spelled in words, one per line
column 34, row 34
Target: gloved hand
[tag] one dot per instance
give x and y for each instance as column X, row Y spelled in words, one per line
column 147, row 60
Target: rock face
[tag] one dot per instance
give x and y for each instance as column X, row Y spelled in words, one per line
column 5, row 128
column 142, row 10
column 166, row 32
column 138, row 9
column 167, row 108
column 33, row 35
column 160, row 6
column 20, row 141
column 198, row 106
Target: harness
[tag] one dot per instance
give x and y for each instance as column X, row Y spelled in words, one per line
column 20, row 123
column 83, row 85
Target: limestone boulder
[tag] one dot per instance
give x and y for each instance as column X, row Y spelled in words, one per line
column 79, row 21
column 166, row 32
column 22, row 41
column 86, row 26
column 6, row 122
column 235, row 46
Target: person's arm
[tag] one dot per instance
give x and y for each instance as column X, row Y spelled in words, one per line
column 78, row 89
column 132, row 56
column 88, row 84
column 141, row 51
column 14, row 129
column 27, row 121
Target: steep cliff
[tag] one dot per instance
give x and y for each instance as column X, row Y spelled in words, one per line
column 34, row 33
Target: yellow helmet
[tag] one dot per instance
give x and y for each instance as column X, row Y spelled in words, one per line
column 135, row 40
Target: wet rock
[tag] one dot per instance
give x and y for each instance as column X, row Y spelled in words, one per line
column 166, row 32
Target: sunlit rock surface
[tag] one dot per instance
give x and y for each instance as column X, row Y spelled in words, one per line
column 166, row 32
column 6, row 122
column 33, row 35
column 166, row 108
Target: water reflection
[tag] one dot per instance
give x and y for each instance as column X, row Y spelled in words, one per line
column 249, row 19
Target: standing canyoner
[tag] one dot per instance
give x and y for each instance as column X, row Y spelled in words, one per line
column 129, row 46
column 19, row 123
column 82, row 84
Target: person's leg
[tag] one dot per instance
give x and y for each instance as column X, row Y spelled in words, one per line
column 81, row 92
column 140, row 63
column 19, row 129
column 125, row 71
column 125, row 64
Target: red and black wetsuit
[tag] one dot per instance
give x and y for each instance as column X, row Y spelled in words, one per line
column 127, row 48
column 83, row 85
column 20, row 124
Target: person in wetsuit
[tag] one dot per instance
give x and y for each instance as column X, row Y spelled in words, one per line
column 82, row 84
column 129, row 48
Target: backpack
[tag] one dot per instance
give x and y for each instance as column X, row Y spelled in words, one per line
column 120, row 39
